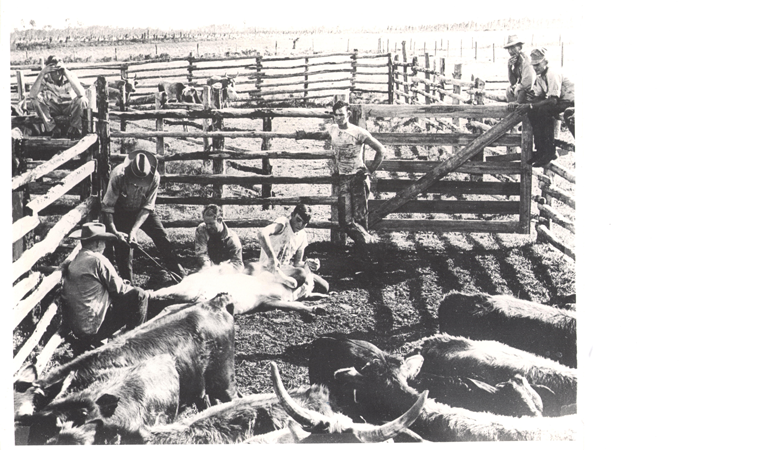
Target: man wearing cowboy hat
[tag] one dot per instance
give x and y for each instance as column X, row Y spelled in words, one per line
column 553, row 93
column 519, row 71
column 96, row 301
column 58, row 92
column 129, row 205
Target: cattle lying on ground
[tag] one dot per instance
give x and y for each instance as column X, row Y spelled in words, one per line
column 494, row 362
column 366, row 382
column 127, row 399
column 337, row 428
column 510, row 398
column 539, row 329
column 200, row 337
column 253, row 290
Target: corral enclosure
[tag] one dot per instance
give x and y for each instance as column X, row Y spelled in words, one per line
column 391, row 307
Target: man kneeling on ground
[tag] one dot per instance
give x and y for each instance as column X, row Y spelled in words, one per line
column 215, row 243
column 96, row 301
column 283, row 243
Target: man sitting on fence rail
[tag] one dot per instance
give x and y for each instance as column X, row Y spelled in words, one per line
column 347, row 141
column 215, row 243
column 129, row 205
column 283, row 243
column 519, row 71
column 58, row 92
column 553, row 94
column 96, row 302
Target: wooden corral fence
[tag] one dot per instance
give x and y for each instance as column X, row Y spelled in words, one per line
column 260, row 80
column 79, row 171
column 550, row 191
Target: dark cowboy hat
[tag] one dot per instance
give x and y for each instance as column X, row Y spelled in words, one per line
column 91, row 231
column 142, row 166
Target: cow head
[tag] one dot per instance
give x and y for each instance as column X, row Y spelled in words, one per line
column 190, row 95
column 364, row 380
column 129, row 82
column 340, row 428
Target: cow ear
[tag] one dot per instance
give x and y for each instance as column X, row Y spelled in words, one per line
column 483, row 386
column 107, row 405
column 412, row 365
column 28, row 375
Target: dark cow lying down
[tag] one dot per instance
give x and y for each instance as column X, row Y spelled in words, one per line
column 539, row 329
column 253, row 290
column 368, row 383
column 200, row 337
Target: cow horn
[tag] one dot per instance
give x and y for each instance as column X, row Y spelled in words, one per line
column 394, row 428
column 307, row 418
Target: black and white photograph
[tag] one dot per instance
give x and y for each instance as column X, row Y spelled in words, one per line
column 294, row 222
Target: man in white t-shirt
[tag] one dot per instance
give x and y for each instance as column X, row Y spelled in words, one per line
column 348, row 142
column 283, row 243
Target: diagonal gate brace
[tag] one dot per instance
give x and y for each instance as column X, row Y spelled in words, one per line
column 436, row 173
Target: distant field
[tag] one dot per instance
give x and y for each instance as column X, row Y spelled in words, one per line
column 456, row 47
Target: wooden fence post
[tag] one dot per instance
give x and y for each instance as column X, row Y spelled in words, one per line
column 102, row 128
column 390, row 79
column 442, row 71
column 414, row 69
column 306, row 79
column 217, row 144
column 122, row 104
column 160, row 142
column 527, row 145
column 354, row 72
column 479, row 100
column 405, row 73
column 258, row 78
column 428, row 100
column 191, row 61
column 476, row 50
column 266, row 166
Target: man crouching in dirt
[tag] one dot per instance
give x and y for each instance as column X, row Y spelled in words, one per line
column 215, row 243
column 283, row 243
column 348, row 143
column 95, row 300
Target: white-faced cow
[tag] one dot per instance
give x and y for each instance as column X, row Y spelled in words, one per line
column 252, row 290
column 539, row 329
column 368, row 383
column 128, row 399
column 225, row 85
column 494, row 362
column 200, row 337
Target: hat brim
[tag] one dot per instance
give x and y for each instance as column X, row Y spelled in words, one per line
column 153, row 164
column 106, row 236
column 512, row 44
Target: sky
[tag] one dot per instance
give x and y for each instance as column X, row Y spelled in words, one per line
column 275, row 14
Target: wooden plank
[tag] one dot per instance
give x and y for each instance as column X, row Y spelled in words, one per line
column 446, row 226
column 546, row 235
column 35, row 337
column 302, row 90
column 437, row 110
column 293, row 83
column 527, row 147
column 79, row 148
column 244, row 179
column 23, row 226
column 301, row 74
column 559, row 194
column 69, row 182
column 23, row 307
column 441, row 139
column 452, row 207
column 451, row 164
column 47, row 352
column 561, row 171
column 308, row 200
column 227, row 113
column 453, row 187
column 555, row 216
column 471, row 167
column 55, row 235
column 246, row 223
column 297, row 135
column 23, row 287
